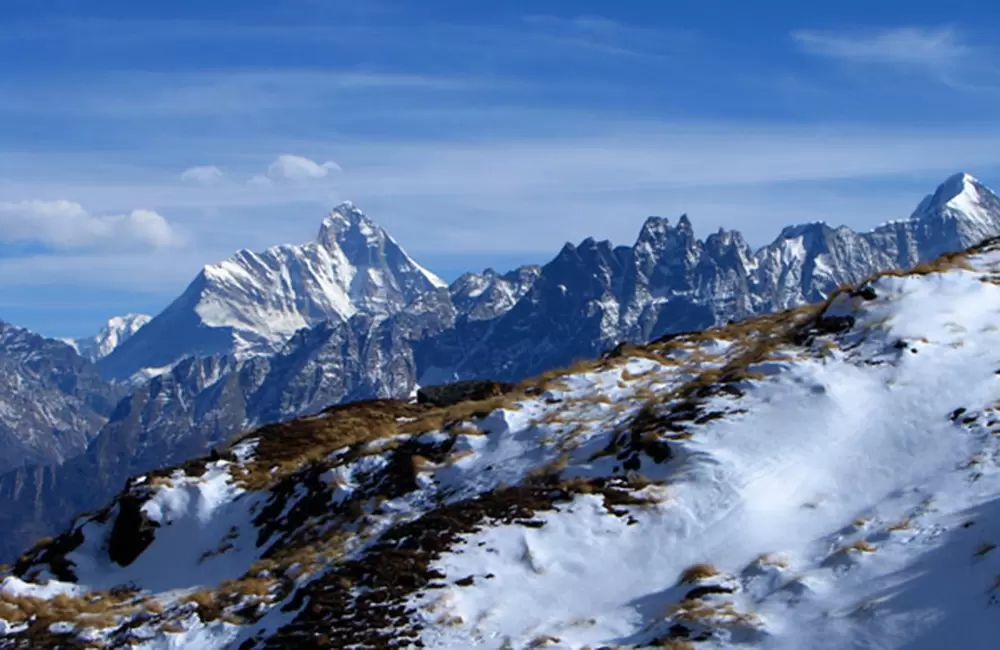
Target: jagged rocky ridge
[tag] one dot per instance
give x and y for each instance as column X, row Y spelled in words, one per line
column 52, row 402
column 822, row 477
column 385, row 326
column 588, row 298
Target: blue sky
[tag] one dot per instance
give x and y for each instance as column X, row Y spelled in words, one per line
column 140, row 142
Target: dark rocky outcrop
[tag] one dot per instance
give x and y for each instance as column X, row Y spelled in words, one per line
column 462, row 391
column 132, row 531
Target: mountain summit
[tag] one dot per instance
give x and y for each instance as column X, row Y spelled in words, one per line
column 253, row 302
column 115, row 332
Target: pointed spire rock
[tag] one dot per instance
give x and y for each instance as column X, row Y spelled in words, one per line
column 653, row 229
column 344, row 217
column 684, row 225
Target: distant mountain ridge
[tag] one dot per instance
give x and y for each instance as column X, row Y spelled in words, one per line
column 595, row 295
column 253, row 303
column 264, row 337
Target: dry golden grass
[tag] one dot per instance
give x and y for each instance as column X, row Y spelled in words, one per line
column 458, row 415
column 465, row 429
column 92, row 610
column 160, row 481
column 552, row 468
column 554, row 378
column 259, row 587
column 629, row 376
column 152, row 605
column 421, row 464
column 698, row 572
column 287, row 446
column 772, row 559
column 902, row 524
column 692, row 610
column 860, row 545
column 595, row 398
column 711, row 614
column 262, row 567
column 202, row 598
column 456, row 456
column 206, row 603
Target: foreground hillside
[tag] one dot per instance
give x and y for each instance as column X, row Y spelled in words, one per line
column 821, row 478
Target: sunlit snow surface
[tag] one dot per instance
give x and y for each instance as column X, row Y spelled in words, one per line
column 846, row 500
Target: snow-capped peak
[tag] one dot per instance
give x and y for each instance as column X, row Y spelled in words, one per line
column 253, row 302
column 961, row 195
column 365, row 243
column 344, row 217
column 116, row 331
column 957, row 187
column 965, row 193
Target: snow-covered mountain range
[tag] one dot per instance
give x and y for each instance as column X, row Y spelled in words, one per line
column 824, row 477
column 265, row 337
column 590, row 297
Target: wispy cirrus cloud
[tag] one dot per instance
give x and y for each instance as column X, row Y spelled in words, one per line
column 607, row 36
column 196, row 94
column 919, row 47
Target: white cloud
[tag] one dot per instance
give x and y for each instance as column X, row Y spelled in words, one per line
column 67, row 225
column 260, row 180
column 298, row 168
column 909, row 46
column 203, row 175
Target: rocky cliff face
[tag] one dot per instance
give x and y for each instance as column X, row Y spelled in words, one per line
column 52, row 401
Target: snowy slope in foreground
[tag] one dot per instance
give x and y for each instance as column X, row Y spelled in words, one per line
column 823, row 478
